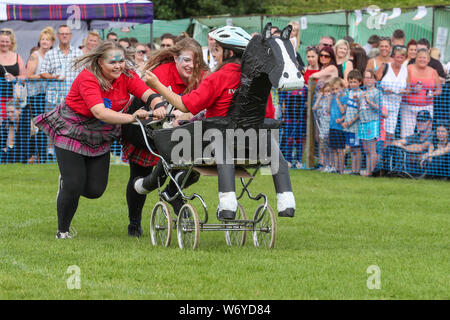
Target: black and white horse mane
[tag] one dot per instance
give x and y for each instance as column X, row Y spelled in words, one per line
column 267, row 62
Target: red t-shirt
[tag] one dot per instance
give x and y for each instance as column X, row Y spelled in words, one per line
column 270, row 110
column 216, row 92
column 168, row 75
column 85, row 92
column 307, row 74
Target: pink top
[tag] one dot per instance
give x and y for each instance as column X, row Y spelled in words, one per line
column 422, row 97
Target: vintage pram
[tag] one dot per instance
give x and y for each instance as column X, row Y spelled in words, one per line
column 268, row 61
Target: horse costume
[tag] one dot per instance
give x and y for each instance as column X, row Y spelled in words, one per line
column 267, row 62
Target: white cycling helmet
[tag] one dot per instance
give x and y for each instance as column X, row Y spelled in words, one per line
column 230, row 37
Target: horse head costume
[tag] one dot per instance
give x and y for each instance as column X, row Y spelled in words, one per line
column 267, row 62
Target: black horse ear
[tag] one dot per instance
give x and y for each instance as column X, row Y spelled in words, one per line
column 266, row 33
column 286, row 33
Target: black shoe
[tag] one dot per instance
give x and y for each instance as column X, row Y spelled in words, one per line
column 134, row 230
column 226, row 215
column 289, row 213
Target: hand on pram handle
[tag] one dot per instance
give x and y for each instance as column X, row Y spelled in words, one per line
column 154, row 116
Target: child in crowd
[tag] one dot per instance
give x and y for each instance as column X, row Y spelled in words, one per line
column 336, row 134
column 321, row 111
column 369, row 129
column 350, row 121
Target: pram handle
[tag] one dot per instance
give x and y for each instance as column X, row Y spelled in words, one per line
column 168, row 116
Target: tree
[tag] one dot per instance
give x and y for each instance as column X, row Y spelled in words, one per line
column 179, row 9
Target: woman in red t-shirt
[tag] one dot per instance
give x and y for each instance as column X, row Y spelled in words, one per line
column 215, row 95
column 84, row 126
column 312, row 56
column 180, row 67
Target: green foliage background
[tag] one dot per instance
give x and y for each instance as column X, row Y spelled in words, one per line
column 179, row 9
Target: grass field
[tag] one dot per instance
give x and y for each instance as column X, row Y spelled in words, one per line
column 343, row 225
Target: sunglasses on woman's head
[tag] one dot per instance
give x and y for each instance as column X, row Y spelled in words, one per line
column 312, row 48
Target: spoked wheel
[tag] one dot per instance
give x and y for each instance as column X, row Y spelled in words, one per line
column 235, row 236
column 188, row 227
column 161, row 225
column 265, row 228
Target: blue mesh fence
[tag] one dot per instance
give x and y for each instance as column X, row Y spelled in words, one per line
column 20, row 140
column 386, row 129
column 403, row 131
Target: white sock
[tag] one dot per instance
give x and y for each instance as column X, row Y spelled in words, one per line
column 227, row 201
column 285, row 200
column 138, row 186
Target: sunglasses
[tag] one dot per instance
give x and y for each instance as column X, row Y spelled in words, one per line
column 326, row 45
column 325, row 55
column 312, row 48
column 6, row 32
column 141, row 51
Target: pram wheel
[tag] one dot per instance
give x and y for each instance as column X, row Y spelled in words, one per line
column 265, row 227
column 236, row 236
column 188, row 227
column 161, row 225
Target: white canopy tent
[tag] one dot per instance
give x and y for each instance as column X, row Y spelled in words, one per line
column 28, row 17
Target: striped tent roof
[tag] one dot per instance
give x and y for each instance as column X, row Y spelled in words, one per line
column 138, row 11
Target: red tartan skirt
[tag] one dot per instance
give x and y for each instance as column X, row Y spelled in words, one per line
column 142, row 157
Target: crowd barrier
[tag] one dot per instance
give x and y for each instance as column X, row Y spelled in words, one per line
column 384, row 140
column 20, row 102
column 403, row 131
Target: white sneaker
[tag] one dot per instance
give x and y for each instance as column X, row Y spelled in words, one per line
column 63, row 235
column 332, row 170
column 72, row 233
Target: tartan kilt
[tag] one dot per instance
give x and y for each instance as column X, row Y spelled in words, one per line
column 137, row 155
column 77, row 133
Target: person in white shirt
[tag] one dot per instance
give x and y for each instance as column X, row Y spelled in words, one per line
column 207, row 54
column 393, row 83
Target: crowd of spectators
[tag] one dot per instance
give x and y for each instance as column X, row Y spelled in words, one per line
column 374, row 104
column 371, row 99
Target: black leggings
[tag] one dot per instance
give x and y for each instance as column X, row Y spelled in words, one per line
column 81, row 176
column 135, row 200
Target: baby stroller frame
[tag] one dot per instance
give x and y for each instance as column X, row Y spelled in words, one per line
column 188, row 223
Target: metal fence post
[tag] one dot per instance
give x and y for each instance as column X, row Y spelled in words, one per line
column 310, row 136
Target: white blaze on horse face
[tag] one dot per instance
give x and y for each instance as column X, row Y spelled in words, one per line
column 289, row 79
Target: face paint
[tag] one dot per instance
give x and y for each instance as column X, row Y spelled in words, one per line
column 113, row 65
column 184, row 59
column 115, row 57
column 185, row 64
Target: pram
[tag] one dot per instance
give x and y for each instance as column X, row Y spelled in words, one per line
column 188, row 224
